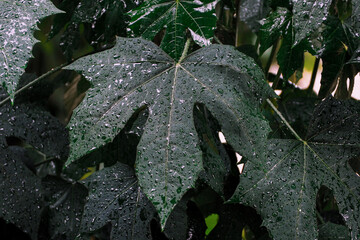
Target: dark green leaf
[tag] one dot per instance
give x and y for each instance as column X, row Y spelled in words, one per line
column 332, row 231
column 176, row 17
column 66, row 202
column 213, row 152
column 355, row 17
column 339, row 46
column 97, row 21
column 307, row 16
column 136, row 73
column 18, row 20
column 115, row 197
column 20, row 191
column 252, row 11
column 290, row 59
column 273, row 27
column 36, row 127
column 283, row 187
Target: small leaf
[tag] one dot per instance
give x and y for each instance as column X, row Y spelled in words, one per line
column 18, row 20
column 115, row 197
column 136, row 73
column 283, row 187
column 176, row 17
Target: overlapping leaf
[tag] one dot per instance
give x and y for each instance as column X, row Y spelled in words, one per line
column 283, row 188
column 176, row 17
column 21, row 195
column 290, row 57
column 66, row 202
column 18, row 19
column 115, row 197
column 20, row 191
column 308, row 15
column 252, row 12
column 136, row 73
column 107, row 19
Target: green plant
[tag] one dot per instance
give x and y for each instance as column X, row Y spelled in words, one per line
column 152, row 85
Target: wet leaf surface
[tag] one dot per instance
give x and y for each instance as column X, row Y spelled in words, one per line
column 36, row 127
column 115, row 197
column 136, row 73
column 308, row 15
column 273, row 27
column 252, row 11
column 176, row 17
column 332, row 231
column 283, row 187
column 279, row 25
column 21, row 194
column 18, row 20
column 65, row 206
column 97, row 21
column 20, row 191
column 339, row 47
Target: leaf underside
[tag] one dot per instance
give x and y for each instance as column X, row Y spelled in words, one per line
column 283, row 187
column 176, row 17
column 136, row 74
column 18, row 19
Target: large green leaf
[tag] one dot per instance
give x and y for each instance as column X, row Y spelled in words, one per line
column 136, row 73
column 176, row 17
column 284, row 186
column 307, row 16
column 18, row 19
column 115, row 197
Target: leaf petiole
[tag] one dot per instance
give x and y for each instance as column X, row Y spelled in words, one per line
column 32, row 83
column 284, row 120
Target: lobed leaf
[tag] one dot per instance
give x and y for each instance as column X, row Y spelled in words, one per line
column 283, row 187
column 176, row 17
column 137, row 74
column 18, row 20
column 115, row 197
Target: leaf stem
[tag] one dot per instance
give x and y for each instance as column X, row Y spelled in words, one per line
column 276, row 80
column 186, row 49
column 284, row 120
column 313, row 75
column 271, row 58
column 47, row 160
column 32, row 83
